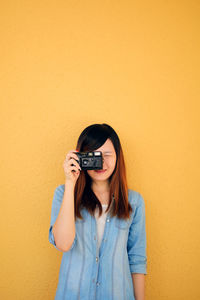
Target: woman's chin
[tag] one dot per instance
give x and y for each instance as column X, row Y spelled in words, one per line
column 99, row 174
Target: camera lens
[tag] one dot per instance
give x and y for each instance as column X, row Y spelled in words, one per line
column 85, row 161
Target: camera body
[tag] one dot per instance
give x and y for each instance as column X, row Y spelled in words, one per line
column 90, row 160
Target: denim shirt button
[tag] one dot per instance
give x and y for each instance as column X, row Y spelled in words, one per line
column 96, row 258
column 98, row 283
column 108, row 220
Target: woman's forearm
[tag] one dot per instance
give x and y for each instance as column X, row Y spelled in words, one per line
column 64, row 227
column 139, row 285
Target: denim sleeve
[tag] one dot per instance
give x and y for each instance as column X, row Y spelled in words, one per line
column 56, row 204
column 136, row 245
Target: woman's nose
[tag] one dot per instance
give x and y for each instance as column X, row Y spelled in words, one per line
column 104, row 163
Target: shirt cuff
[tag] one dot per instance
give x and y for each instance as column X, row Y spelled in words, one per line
column 140, row 268
column 51, row 238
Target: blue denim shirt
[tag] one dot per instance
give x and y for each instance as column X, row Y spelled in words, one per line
column 87, row 273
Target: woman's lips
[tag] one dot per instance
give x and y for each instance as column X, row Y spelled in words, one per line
column 100, row 171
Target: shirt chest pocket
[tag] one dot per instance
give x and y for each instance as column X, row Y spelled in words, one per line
column 122, row 224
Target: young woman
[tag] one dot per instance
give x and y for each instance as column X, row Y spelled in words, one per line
column 99, row 225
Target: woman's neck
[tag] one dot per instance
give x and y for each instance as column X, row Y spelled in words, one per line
column 100, row 187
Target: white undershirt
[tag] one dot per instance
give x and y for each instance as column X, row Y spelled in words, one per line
column 100, row 223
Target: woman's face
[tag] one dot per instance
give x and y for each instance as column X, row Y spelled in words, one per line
column 109, row 161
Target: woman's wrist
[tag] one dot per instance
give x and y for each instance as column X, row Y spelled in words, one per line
column 69, row 184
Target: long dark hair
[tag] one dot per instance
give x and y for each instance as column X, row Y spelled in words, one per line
column 91, row 138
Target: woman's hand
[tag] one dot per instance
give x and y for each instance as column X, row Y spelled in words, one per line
column 71, row 167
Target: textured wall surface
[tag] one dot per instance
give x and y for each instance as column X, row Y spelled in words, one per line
column 132, row 64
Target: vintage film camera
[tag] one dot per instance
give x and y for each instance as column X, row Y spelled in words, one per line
column 90, row 160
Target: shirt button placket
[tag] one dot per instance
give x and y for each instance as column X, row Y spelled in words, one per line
column 97, row 258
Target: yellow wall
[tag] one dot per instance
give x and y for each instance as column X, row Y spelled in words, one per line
column 132, row 64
